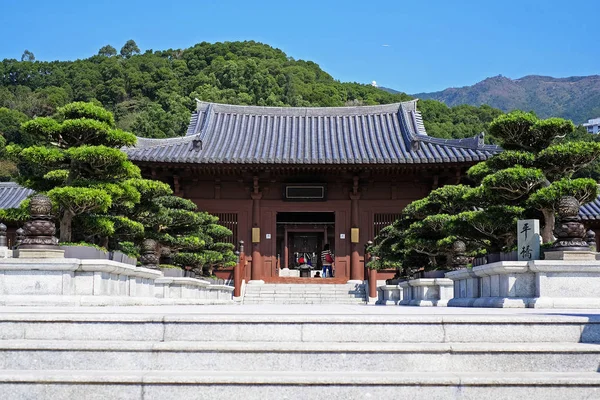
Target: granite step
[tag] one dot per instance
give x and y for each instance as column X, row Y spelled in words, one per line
column 305, row 294
column 349, row 325
column 250, row 385
column 298, row 356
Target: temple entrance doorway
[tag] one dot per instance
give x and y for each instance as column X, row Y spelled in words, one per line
column 301, row 237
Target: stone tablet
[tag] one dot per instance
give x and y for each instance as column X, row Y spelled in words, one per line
column 528, row 239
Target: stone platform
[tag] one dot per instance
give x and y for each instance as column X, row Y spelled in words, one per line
column 287, row 351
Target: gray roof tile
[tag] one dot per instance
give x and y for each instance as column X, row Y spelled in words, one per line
column 12, row 194
column 383, row 134
column 590, row 211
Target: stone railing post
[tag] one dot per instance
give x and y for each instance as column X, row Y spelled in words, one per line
column 3, row 241
column 238, row 269
column 19, row 239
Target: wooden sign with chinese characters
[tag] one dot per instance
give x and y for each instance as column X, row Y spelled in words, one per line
column 528, row 239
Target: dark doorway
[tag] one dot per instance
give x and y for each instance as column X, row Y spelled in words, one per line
column 301, row 237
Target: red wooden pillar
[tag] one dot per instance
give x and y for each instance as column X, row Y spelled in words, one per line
column 237, row 271
column 356, row 271
column 256, row 272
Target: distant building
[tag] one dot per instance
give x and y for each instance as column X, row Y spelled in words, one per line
column 593, row 126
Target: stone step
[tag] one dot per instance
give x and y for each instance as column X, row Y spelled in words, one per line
column 318, row 324
column 192, row 384
column 298, row 356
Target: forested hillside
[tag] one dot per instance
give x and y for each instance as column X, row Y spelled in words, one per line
column 152, row 94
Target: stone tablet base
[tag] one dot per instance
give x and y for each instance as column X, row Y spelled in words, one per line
column 71, row 281
column 534, row 284
column 426, row 292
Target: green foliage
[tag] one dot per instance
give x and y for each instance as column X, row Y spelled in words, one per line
column 508, row 159
column 519, row 130
column 584, row 190
column 27, row 56
column 129, row 48
column 562, row 160
column 107, row 51
column 10, row 125
column 81, row 200
column 130, row 249
column 15, row 215
column 83, row 244
column 494, row 228
column 79, row 110
column 457, row 122
column 512, row 184
column 479, row 171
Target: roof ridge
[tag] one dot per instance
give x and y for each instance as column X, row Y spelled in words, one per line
column 205, row 105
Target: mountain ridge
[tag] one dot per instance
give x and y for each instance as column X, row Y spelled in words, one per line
column 575, row 97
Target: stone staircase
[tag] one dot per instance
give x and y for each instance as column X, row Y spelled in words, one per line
column 278, row 293
column 238, row 352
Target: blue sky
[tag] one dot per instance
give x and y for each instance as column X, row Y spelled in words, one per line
column 412, row 46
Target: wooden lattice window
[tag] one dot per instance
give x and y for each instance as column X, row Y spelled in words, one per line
column 229, row 221
column 381, row 220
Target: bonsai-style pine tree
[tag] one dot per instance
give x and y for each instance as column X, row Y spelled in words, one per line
column 77, row 161
column 526, row 180
column 187, row 237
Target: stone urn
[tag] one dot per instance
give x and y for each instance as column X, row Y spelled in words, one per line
column 570, row 233
column 459, row 257
column 149, row 257
column 40, row 230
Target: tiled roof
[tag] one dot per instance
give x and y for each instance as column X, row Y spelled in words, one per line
column 590, row 211
column 383, row 134
column 11, row 194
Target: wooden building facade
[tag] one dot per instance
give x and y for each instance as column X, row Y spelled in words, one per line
column 289, row 180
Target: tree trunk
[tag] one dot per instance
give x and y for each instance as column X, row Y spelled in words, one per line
column 547, row 235
column 65, row 226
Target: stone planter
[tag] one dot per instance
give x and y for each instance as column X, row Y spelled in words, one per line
column 122, row 257
column 84, row 253
column 430, row 274
column 172, row 272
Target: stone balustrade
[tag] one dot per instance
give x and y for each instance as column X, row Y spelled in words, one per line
column 74, row 281
column 528, row 284
column 426, row 292
column 390, row 295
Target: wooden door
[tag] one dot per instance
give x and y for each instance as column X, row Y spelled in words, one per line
column 306, row 245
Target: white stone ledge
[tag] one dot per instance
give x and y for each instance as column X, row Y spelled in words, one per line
column 48, row 264
column 564, row 266
column 225, row 288
column 568, row 284
column 115, row 267
column 181, row 281
column 430, row 282
column 500, row 268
